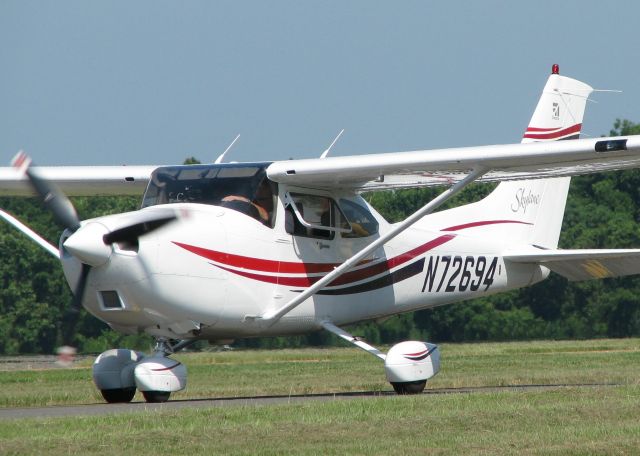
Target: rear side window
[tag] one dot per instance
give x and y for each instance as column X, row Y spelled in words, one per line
column 362, row 222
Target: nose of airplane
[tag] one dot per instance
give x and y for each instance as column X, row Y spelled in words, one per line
column 86, row 244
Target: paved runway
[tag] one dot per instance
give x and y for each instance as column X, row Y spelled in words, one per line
column 105, row 409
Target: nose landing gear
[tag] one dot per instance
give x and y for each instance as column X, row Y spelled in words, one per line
column 117, row 373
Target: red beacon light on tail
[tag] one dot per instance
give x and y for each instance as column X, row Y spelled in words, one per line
column 555, row 69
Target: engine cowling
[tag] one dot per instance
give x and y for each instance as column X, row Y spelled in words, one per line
column 412, row 361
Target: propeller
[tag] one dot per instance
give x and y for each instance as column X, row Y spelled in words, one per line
column 78, row 293
column 73, row 312
column 64, row 213
column 84, row 241
column 52, row 197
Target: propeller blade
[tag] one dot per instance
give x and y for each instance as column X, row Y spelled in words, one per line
column 78, row 293
column 53, row 199
column 73, row 311
column 131, row 233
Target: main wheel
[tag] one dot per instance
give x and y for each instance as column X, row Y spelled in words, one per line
column 156, row 396
column 114, row 396
column 409, row 387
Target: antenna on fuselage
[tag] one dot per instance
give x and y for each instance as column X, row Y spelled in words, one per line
column 326, row 152
column 221, row 157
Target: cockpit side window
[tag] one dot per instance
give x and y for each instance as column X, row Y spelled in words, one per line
column 311, row 215
column 259, row 204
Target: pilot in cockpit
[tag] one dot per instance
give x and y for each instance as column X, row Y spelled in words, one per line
column 259, row 207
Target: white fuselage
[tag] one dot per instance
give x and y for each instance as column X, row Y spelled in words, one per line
column 202, row 275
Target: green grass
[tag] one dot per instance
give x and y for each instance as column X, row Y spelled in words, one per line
column 302, row 371
column 571, row 420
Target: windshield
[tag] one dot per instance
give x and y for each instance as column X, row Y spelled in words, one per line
column 242, row 187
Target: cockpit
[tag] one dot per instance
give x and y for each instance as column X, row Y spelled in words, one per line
column 243, row 187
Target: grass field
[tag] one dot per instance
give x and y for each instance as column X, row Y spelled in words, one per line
column 569, row 420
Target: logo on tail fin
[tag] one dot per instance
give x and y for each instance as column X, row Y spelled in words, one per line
column 523, row 201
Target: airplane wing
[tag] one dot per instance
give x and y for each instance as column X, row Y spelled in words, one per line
column 578, row 265
column 447, row 166
column 80, row 180
column 374, row 171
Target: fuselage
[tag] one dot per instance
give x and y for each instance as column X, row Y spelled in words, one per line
column 202, row 275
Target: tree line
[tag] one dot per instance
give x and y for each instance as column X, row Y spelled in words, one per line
column 602, row 211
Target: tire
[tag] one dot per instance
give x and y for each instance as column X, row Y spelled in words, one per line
column 120, row 395
column 409, row 387
column 156, row 396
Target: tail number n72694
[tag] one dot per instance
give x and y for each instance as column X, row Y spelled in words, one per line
column 450, row 274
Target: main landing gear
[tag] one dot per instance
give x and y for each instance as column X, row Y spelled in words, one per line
column 119, row 372
column 408, row 365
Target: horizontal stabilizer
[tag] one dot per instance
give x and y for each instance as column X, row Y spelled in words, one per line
column 583, row 264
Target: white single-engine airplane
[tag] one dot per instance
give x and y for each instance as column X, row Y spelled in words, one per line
column 226, row 251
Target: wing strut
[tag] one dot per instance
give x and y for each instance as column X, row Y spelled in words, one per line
column 353, row 340
column 30, row 234
column 270, row 317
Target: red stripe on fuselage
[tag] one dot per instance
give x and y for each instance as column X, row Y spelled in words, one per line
column 346, row 278
column 483, row 223
column 258, row 264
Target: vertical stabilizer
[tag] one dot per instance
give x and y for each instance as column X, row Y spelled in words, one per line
column 560, row 110
column 529, row 211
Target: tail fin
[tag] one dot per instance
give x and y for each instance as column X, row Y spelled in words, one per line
column 560, row 110
column 529, row 211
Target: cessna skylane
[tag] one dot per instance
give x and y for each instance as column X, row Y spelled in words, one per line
column 237, row 250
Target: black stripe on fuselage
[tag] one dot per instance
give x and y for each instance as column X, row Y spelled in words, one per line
column 381, row 282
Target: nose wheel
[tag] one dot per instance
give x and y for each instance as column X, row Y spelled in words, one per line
column 118, row 373
column 404, row 388
column 156, row 396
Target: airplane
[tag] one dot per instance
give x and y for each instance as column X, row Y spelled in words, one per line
column 225, row 251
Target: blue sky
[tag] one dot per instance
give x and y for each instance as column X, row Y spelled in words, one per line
column 152, row 82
